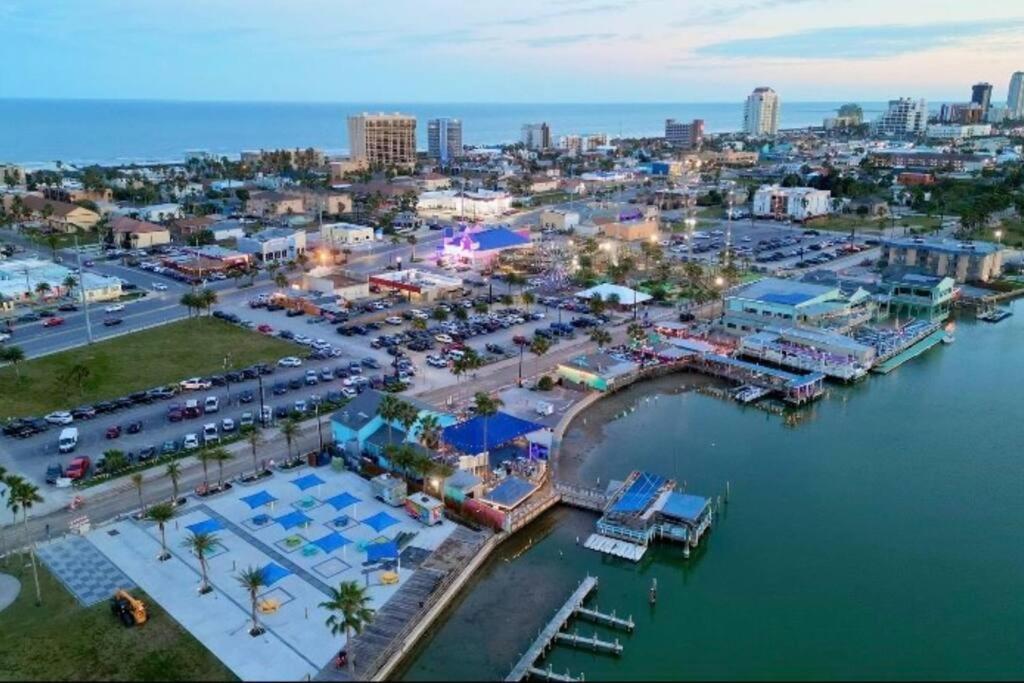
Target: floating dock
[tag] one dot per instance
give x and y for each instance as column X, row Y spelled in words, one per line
column 615, row 547
column 593, row 642
column 910, row 353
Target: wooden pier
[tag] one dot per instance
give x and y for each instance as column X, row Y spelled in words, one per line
column 606, row 619
column 525, row 666
column 593, row 642
column 549, row 675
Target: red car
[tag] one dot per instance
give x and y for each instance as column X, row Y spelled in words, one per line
column 175, row 413
column 265, row 328
column 53, row 322
column 113, row 432
column 78, row 468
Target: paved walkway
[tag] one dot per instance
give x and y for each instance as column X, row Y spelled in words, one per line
column 84, row 570
column 9, row 589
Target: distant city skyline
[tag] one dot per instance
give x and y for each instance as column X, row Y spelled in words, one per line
column 535, row 51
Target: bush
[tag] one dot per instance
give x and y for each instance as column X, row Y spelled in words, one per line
column 545, row 383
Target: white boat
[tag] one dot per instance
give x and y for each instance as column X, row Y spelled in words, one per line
column 948, row 338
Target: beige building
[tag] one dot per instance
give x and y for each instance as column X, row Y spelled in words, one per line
column 962, row 261
column 134, row 234
column 344, row 234
column 340, row 167
column 274, row 204
column 60, row 216
column 387, row 140
column 329, row 202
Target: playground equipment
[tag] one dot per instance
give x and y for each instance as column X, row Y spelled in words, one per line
column 268, row 606
column 131, row 611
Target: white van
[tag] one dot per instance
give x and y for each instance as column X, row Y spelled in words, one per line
column 68, row 439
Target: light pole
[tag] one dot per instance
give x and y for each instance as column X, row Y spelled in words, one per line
column 263, row 410
column 81, row 287
column 227, row 380
column 319, row 427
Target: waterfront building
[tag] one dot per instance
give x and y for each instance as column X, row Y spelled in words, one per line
column 981, row 95
column 1015, row 96
column 354, row 425
column 942, row 257
column 597, row 371
column 132, row 234
column 496, row 439
column 905, row 116
column 772, row 303
column 274, row 244
column 685, row 136
column 812, row 350
column 345, row 234
column 914, row 295
column 444, row 139
column 761, row 113
column 794, row 203
column 20, row 277
column 536, row 136
column 383, row 140
column 948, row 161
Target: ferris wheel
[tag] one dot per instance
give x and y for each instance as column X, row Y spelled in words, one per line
column 555, row 257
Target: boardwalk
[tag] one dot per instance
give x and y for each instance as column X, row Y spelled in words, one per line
column 525, row 665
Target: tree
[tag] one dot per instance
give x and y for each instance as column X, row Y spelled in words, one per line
column 390, row 409
column 528, row 298
column 280, row 279
column 200, row 544
column 439, row 314
column 190, row 301
column 205, row 458
column 76, row 376
column 24, row 495
column 206, row 299
column 220, row 456
column 349, row 604
column 429, row 433
column 173, row 472
column 137, row 482
column 596, row 304
column 13, row 355
column 252, row 580
column 255, row 439
column 600, row 337
column 486, row 406
column 401, row 457
column 114, row 461
column 42, row 289
column 289, row 430
column 539, row 346
column 161, row 513
column 419, row 324
column 70, row 282
column 407, row 416
column 411, row 239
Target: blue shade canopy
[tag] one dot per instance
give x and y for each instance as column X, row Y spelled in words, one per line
column 501, row 428
column 308, row 481
column 292, row 519
column 273, row 573
column 376, row 552
column 331, row 542
column 258, row 499
column 342, row 500
column 207, row 526
column 380, row 521
column 510, row 492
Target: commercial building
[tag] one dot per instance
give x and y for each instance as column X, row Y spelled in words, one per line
column 956, row 132
column 685, row 136
column 481, row 247
column 941, row 257
column 444, row 139
column 594, row 371
column 793, row 203
column 904, row 116
column 761, row 113
column 475, row 204
column 274, row 244
column 536, row 136
column 383, row 140
column 772, row 303
column 981, row 95
column 961, row 112
column 20, row 279
column 331, row 203
column 617, row 295
column 272, row 203
column 345, row 234
column 355, row 425
column 133, row 234
column 1015, row 96
column 557, row 219
column 56, row 215
column 419, row 285
column 958, row 163
column 328, row 281
column 913, row 295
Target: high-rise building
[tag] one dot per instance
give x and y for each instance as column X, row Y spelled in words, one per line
column 383, row 139
column 684, row 135
column 905, row 116
column 981, row 94
column 966, row 113
column 761, row 114
column 1015, row 97
column 444, row 139
column 536, row 136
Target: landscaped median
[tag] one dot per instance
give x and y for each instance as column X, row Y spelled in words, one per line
column 133, row 362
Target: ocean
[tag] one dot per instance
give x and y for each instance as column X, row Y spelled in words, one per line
column 36, row 133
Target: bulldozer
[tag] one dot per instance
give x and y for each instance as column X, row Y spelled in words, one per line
column 130, row 610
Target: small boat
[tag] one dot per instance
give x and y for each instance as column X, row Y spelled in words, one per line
column 948, row 338
column 994, row 315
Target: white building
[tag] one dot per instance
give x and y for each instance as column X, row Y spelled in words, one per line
column 476, row 203
column 905, row 116
column 1015, row 98
column 444, row 139
column 345, row 234
column 942, row 131
column 536, row 136
column 794, row 203
column 761, row 113
column 557, row 219
column 20, row 278
column 274, row 244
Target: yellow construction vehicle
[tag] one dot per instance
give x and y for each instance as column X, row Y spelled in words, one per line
column 131, row 611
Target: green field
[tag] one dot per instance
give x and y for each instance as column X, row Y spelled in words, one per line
column 1012, row 233
column 63, row 641
column 846, row 223
column 133, row 362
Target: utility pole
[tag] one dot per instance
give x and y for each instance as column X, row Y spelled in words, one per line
column 81, row 288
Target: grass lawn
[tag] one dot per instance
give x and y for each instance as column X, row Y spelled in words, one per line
column 845, row 223
column 1012, row 233
column 62, row 641
column 134, row 362
column 64, row 241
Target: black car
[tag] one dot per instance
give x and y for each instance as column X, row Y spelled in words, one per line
column 281, row 412
column 83, row 413
column 245, row 397
column 146, row 453
column 264, row 368
column 295, row 383
column 274, row 307
column 279, row 388
column 236, row 377
column 134, row 427
column 334, row 396
column 294, row 312
column 68, row 307
column 285, row 334
column 341, row 372
column 123, row 402
column 110, row 322
column 139, row 397
column 359, row 329
column 53, row 473
column 344, row 331
column 370, row 363
column 27, row 318
column 372, row 326
column 105, row 407
column 496, row 349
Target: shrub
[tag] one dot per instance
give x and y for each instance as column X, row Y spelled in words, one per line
column 545, row 383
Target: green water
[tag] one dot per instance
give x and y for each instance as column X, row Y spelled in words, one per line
column 881, row 538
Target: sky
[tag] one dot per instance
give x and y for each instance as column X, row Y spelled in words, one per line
column 495, row 51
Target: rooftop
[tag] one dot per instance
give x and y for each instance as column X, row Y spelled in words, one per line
column 945, row 245
column 787, row 292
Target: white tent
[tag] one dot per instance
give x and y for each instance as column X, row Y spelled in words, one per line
column 607, row 291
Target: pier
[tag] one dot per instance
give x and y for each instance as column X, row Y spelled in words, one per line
column 606, row 619
column 593, row 642
column 913, row 351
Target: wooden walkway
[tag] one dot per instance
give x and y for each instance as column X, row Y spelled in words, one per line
column 525, row 666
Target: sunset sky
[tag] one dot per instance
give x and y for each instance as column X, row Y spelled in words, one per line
column 527, row 51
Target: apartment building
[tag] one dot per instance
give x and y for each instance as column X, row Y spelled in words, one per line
column 444, row 139
column 1015, row 96
column 905, row 116
column 761, row 113
column 686, row 136
column 794, row 203
column 387, row 140
column 941, row 257
column 536, row 136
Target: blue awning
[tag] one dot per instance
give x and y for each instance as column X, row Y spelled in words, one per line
column 331, row 542
column 684, row 506
column 342, row 500
column 501, row 428
column 207, row 526
column 380, row 521
column 376, row 552
column 257, row 499
column 292, row 519
column 273, row 573
column 308, row 481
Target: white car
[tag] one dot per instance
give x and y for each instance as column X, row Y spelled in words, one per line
column 227, row 425
column 210, row 434
column 290, row 362
column 60, row 417
column 190, row 442
column 114, row 308
column 159, row 286
column 303, row 339
column 4, row 336
column 443, row 338
column 349, row 393
column 195, row 384
column 393, row 320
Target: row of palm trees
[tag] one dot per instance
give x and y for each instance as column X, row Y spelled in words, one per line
column 20, row 495
column 403, row 457
column 202, row 300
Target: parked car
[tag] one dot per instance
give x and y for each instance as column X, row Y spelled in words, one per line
column 246, row 397
column 246, row 420
column 290, row 362
column 211, row 405
column 195, row 384
column 210, row 434
column 190, row 442
column 60, row 417
column 83, row 413
column 227, row 425
column 134, row 427
column 169, row 447
column 113, row 432
column 53, row 473
column 78, row 468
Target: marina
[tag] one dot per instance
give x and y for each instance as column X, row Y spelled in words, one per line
column 911, row 352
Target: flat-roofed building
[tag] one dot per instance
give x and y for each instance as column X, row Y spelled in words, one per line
column 420, row 285
column 272, row 203
column 962, row 261
column 274, row 244
column 774, row 302
column 344, row 234
column 795, row 203
column 384, row 140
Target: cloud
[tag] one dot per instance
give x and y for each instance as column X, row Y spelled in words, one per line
column 566, row 11
column 856, row 42
column 722, row 14
column 570, row 39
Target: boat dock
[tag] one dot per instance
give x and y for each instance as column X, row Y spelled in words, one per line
column 910, row 352
column 554, row 633
column 616, row 547
column 791, row 387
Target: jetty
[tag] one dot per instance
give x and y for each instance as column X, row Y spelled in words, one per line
column 909, row 353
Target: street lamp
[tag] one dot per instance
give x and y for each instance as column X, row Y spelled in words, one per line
column 999, row 237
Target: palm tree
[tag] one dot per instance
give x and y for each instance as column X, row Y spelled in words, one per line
column 200, row 544
column 42, row 289
column 161, row 513
column 173, row 472
column 280, row 279
column 419, row 324
column 205, row 457
column 429, row 432
column 13, row 355
column 206, row 299
column 252, row 580
column 528, row 299
column 349, row 603
column 220, row 456
column 137, row 481
column 26, row 495
column 486, row 406
column 600, row 337
column 289, row 430
column 408, row 416
column 390, row 409
column 189, row 301
column 401, row 458
column 539, row 346
column 70, row 282
column 255, row 439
